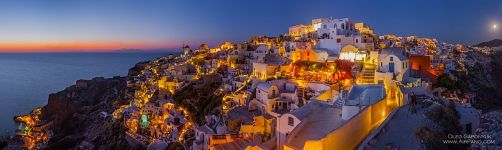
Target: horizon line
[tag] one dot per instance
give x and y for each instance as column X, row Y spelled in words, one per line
column 132, row 50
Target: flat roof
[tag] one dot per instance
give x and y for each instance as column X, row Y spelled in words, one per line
column 365, row 94
column 322, row 120
column 243, row 114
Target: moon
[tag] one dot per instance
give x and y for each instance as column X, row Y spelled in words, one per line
column 494, row 26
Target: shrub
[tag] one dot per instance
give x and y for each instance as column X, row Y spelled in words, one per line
column 3, row 144
column 431, row 139
column 447, row 117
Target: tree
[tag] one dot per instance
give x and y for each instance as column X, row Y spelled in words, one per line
column 444, row 80
column 3, row 144
column 429, row 137
column 175, row 146
column 447, row 117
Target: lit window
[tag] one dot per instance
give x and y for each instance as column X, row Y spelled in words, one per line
column 291, row 121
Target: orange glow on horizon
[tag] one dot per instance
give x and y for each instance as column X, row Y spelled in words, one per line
column 81, row 46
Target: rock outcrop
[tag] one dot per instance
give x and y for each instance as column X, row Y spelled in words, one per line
column 78, row 113
column 492, row 43
column 484, row 77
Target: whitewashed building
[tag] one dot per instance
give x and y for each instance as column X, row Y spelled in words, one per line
column 276, row 97
column 393, row 65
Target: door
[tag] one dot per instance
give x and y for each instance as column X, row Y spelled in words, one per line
column 391, row 67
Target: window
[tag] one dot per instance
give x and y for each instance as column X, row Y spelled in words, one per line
column 391, row 58
column 357, row 40
column 291, row 121
column 335, row 26
column 343, row 26
column 338, row 40
column 381, row 64
column 402, row 65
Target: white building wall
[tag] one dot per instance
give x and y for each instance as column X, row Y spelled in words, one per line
column 318, row 87
column 260, row 70
column 330, row 44
column 261, row 95
column 350, row 111
column 400, row 66
column 336, row 44
column 322, row 56
column 283, row 128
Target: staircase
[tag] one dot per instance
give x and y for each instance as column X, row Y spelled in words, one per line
column 338, row 103
column 300, row 93
column 368, row 76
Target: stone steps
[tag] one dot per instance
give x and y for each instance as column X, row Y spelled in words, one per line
column 368, row 76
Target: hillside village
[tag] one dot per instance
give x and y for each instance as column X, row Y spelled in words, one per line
column 328, row 84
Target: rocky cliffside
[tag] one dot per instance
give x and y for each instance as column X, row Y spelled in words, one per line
column 79, row 113
column 492, row 43
column 484, row 77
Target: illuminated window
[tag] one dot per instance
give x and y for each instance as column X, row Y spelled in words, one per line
column 291, row 121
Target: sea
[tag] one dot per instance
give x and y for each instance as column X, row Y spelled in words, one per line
column 27, row 79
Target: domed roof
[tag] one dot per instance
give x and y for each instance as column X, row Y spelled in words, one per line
column 263, row 48
column 349, row 48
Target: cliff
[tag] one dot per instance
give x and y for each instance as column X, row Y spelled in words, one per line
column 483, row 77
column 492, row 43
column 77, row 114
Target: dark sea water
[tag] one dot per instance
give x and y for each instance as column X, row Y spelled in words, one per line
column 26, row 79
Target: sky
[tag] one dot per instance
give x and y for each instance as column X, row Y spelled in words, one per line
column 65, row 25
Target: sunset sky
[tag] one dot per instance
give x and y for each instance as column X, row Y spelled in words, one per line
column 65, row 25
